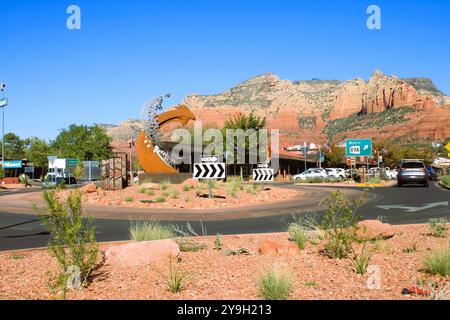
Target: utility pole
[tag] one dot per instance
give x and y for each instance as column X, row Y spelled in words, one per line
column 3, row 104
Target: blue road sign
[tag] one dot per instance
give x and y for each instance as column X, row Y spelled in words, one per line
column 12, row 164
column 358, row 147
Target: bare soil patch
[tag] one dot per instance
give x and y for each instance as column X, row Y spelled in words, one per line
column 213, row 275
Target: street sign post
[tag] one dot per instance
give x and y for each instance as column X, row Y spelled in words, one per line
column 448, row 149
column 209, row 169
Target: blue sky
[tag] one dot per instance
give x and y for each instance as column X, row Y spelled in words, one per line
column 130, row 51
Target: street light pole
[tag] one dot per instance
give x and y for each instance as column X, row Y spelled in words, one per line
column 3, row 104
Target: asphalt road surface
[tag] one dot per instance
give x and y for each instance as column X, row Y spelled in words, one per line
column 20, row 229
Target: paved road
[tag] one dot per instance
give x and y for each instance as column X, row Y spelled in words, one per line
column 20, row 229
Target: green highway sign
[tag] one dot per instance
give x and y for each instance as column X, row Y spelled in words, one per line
column 358, row 147
column 72, row 162
column 3, row 102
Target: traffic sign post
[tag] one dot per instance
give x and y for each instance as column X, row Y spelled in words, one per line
column 448, row 149
column 263, row 174
column 209, row 169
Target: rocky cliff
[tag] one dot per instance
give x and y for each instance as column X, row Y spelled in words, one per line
column 384, row 107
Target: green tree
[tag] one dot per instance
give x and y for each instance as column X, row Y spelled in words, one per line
column 244, row 122
column 2, row 175
column 38, row 151
column 83, row 143
column 14, row 146
column 334, row 156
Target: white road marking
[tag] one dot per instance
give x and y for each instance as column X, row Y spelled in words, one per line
column 414, row 209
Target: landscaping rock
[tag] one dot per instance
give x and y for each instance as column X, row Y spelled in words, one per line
column 278, row 248
column 142, row 253
column 89, row 188
column 374, row 229
column 150, row 186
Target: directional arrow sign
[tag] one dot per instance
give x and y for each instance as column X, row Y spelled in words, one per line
column 209, row 159
column 415, row 209
column 263, row 175
column 209, row 171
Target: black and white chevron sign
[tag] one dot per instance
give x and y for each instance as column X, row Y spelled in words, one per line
column 209, row 171
column 263, row 174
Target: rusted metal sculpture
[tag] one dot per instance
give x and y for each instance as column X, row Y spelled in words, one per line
column 151, row 158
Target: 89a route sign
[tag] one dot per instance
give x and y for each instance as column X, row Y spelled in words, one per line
column 358, row 147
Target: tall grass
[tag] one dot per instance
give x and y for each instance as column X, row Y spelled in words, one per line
column 438, row 262
column 274, row 285
column 150, row 230
column 174, row 280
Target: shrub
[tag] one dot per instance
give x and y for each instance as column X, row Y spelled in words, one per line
column 150, row 193
column 174, row 280
column 150, row 230
column 142, row 190
column 361, row 261
column 438, row 227
column 445, row 180
column 298, row 234
column 160, row 199
column 218, row 245
column 236, row 252
column 339, row 224
column 187, row 199
column 411, row 249
column 164, row 185
column 233, row 188
column 129, row 199
column 72, row 236
column 186, row 188
column 174, row 194
column 274, row 285
column 310, row 284
column 188, row 245
column 438, row 262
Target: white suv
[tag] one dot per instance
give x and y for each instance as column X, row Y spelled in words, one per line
column 337, row 173
column 311, row 174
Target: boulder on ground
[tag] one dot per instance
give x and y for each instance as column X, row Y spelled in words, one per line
column 278, row 248
column 373, row 230
column 142, row 253
column 89, row 188
column 150, row 186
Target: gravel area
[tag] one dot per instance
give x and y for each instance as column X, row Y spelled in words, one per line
column 195, row 197
column 212, row 275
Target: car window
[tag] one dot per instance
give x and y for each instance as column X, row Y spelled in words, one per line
column 413, row 165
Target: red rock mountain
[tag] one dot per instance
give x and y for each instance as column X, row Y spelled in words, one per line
column 385, row 107
column 323, row 110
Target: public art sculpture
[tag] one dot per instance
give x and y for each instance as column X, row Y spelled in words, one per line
column 151, row 157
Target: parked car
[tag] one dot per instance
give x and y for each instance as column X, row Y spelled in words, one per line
column 53, row 180
column 311, row 174
column 413, row 172
column 337, row 173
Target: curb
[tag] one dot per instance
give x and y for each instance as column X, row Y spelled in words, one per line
column 443, row 186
